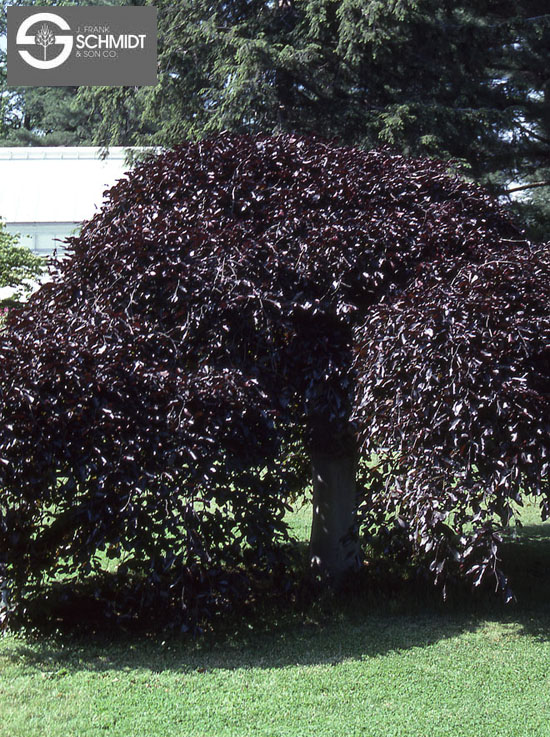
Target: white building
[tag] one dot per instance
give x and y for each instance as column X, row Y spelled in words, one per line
column 46, row 193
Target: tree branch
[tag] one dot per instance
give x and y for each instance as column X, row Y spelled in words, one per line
column 532, row 185
column 534, row 135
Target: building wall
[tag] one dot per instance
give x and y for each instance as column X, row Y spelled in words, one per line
column 47, row 192
column 43, row 238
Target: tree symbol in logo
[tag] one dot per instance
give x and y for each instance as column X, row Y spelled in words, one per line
column 44, row 37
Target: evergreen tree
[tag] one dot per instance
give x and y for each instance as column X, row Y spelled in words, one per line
column 46, row 116
column 465, row 80
column 525, row 67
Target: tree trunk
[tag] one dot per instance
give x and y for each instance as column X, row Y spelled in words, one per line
column 334, row 546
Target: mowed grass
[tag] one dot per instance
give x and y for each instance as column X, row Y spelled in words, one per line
column 394, row 666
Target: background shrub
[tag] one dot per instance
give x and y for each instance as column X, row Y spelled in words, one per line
column 19, row 268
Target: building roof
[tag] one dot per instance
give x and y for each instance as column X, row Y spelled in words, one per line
column 56, row 184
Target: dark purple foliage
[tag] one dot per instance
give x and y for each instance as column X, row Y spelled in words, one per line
column 155, row 397
column 453, row 395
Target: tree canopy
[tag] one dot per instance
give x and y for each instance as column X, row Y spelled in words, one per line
column 239, row 300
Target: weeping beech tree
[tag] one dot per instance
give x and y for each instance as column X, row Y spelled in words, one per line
column 243, row 314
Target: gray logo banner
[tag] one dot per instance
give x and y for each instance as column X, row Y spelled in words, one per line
column 82, row 46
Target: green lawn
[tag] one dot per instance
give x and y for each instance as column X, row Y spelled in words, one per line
column 393, row 667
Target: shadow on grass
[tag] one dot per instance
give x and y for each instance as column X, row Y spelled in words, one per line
column 526, row 560
column 327, row 634
column 381, row 612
